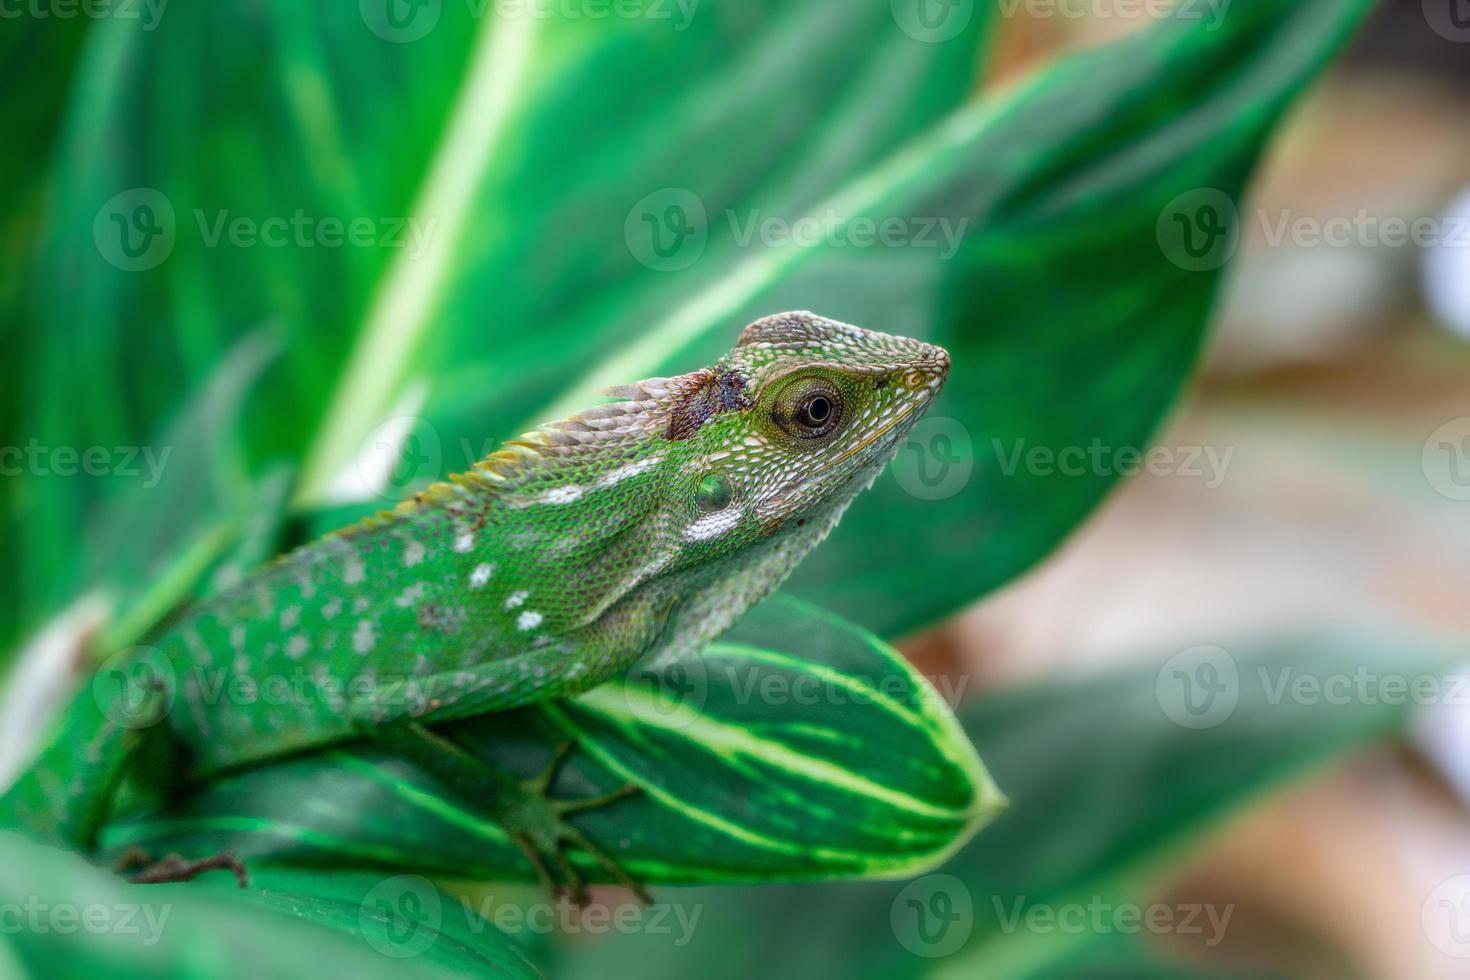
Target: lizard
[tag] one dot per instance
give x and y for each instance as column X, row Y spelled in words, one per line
column 641, row 528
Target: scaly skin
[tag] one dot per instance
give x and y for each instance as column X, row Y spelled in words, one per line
column 643, row 527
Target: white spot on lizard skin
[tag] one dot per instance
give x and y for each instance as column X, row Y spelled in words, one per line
column 331, row 608
column 353, row 569
column 528, row 620
column 562, row 495
column 290, row 616
column 562, row 546
column 410, row 595
column 712, row 525
column 195, row 644
column 333, row 693
column 307, row 585
column 464, row 541
column 237, row 637
column 296, row 647
column 516, row 598
column 361, row 604
column 481, row 575
column 413, row 553
column 362, row 637
column 628, row 470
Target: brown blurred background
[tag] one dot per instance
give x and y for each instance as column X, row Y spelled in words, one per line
column 1336, row 354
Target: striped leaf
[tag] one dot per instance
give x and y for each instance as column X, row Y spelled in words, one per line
column 497, row 158
column 1109, row 790
column 76, row 920
column 797, row 748
column 1073, row 317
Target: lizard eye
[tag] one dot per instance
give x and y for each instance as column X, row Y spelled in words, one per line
column 813, row 412
column 713, row 493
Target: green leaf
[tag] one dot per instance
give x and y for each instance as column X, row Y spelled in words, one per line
column 38, row 55
column 155, row 539
column 760, row 110
column 1069, row 324
column 1072, row 322
column 1059, row 187
column 1108, row 791
column 519, row 145
column 80, row 921
column 795, row 748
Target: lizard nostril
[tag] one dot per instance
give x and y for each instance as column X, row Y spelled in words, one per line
column 939, row 361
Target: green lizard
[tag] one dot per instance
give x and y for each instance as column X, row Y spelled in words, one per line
column 643, row 527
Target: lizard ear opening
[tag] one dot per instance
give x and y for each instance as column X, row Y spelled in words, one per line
column 704, row 395
column 713, row 493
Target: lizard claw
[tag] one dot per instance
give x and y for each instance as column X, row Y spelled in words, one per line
column 175, row 867
column 537, row 825
column 533, row 819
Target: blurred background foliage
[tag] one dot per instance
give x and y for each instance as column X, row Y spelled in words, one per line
column 1061, row 146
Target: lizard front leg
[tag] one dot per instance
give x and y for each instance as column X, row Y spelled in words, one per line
column 397, row 717
column 533, row 819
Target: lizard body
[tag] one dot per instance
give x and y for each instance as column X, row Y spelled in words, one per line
column 643, row 527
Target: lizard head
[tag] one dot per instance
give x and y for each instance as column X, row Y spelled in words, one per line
column 791, row 425
column 688, row 498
